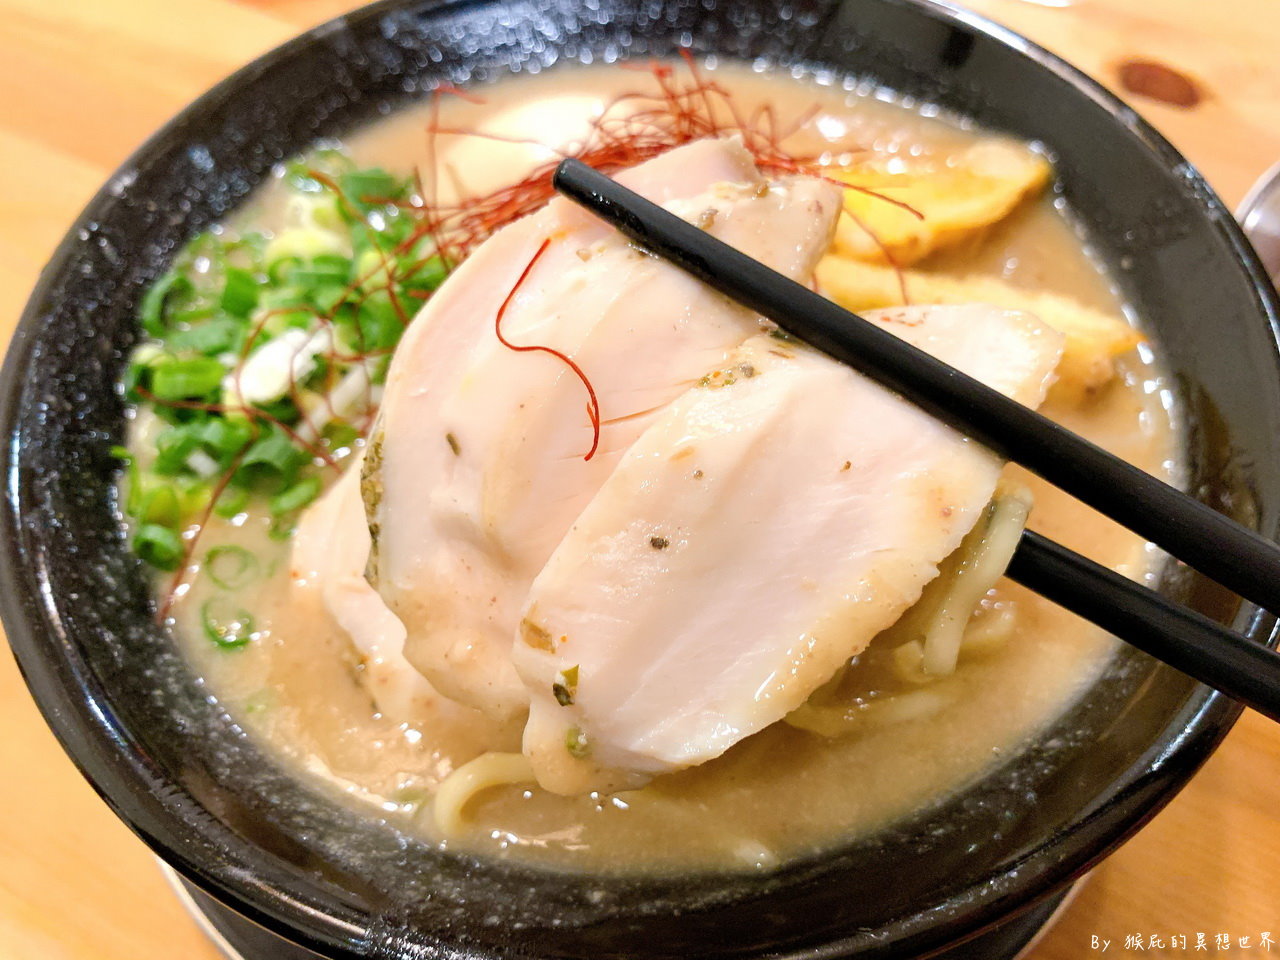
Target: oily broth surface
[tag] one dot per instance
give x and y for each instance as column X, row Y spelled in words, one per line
column 299, row 686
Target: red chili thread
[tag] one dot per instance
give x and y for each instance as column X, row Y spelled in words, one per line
column 884, row 251
column 593, row 404
column 461, row 94
column 633, row 127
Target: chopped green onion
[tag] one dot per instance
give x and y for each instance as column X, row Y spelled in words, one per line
column 151, row 311
column 331, row 162
column 296, row 497
column 340, row 433
column 321, row 270
column 576, row 742
column 423, row 274
column 231, row 501
column 219, row 438
column 272, row 454
column 293, row 245
column 133, row 488
column 370, row 188
column 379, row 322
column 397, row 227
column 282, row 296
column 158, row 546
column 143, row 357
column 193, row 495
column 344, row 257
column 174, row 447
column 373, row 268
column 259, row 701
column 565, row 687
column 301, row 315
column 283, row 410
column 225, row 437
column 226, row 624
column 160, row 505
column 280, row 529
column 328, row 296
column 210, row 338
column 187, row 379
column 231, row 567
column 251, row 242
column 181, row 319
column 240, row 293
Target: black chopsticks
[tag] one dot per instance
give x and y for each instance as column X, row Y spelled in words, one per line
column 1191, row 531
column 1201, row 648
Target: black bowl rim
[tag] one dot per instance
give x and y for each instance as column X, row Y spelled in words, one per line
column 92, row 744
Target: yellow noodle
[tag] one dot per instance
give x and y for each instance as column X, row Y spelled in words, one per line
column 990, row 631
column 982, row 564
column 908, row 663
column 490, row 769
column 1094, row 339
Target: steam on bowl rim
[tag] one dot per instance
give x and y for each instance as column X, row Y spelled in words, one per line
column 79, row 706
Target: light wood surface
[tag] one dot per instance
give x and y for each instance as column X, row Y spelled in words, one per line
column 83, row 82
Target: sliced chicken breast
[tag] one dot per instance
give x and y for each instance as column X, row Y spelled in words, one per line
column 330, row 550
column 764, row 528
column 476, row 469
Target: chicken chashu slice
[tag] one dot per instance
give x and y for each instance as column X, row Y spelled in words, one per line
column 326, row 572
column 326, row 566
column 476, row 468
column 761, row 532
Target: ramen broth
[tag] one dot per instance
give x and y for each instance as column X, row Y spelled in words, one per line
column 784, row 792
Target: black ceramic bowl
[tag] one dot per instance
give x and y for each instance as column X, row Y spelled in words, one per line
column 126, row 707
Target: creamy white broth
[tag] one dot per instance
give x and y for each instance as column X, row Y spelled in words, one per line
column 300, row 687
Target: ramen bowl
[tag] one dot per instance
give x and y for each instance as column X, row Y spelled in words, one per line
column 230, row 819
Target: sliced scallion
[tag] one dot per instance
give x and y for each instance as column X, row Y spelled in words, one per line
column 151, row 311
column 345, row 260
column 232, row 501
column 272, row 454
column 160, row 505
column 210, row 337
column 230, row 566
column 187, row 379
column 296, row 497
column 239, row 293
column 226, row 624
column 370, row 188
column 158, row 545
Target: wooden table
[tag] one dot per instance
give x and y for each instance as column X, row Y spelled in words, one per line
column 82, row 82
